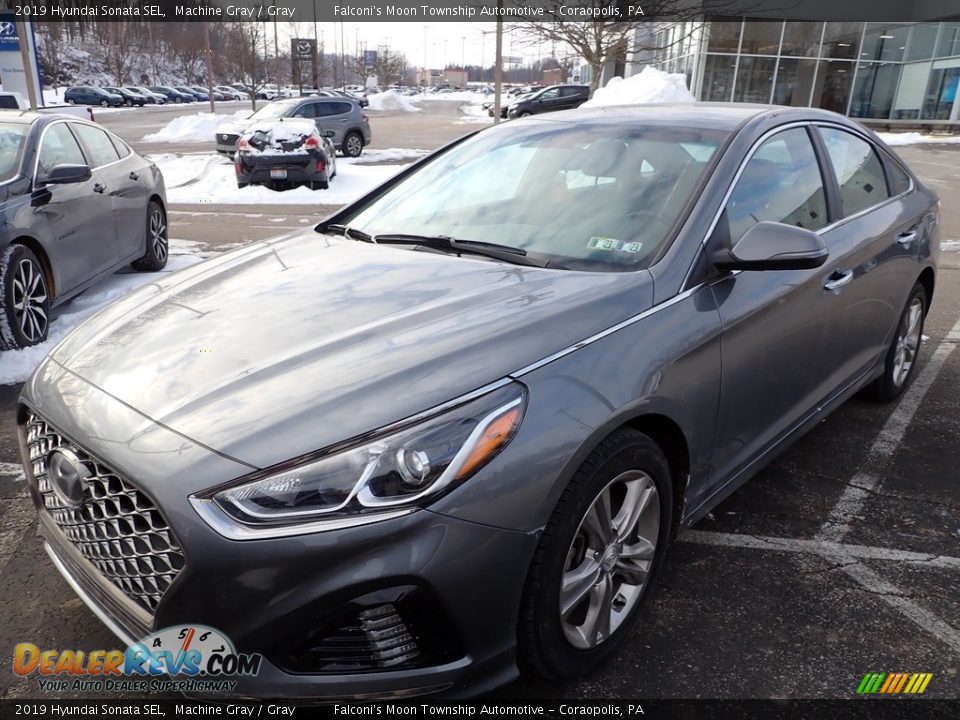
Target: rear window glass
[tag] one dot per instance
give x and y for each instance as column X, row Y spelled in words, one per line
column 899, row 180
column 858, row 169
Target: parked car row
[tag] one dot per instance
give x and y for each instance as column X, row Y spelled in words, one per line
column 138, row 96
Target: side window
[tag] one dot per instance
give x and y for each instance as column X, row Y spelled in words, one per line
column 97, row 142
column 899, row 180
column 59, row 147
column 305, row 111
column 340, row 108
column 780, row 183
column 120, row 146
column 323, row 109
column 858, row 170
column 550, row 94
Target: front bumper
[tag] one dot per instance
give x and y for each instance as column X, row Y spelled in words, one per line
column 455, row 584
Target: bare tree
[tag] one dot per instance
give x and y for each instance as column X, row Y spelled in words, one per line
column 390, row 67
column 187, row 49
column 611, row 35
column 122, row 39
column 248, row 60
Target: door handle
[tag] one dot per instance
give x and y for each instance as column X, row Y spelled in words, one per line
column 133, row 175
column 907, row 239
column 98, row 188
column 838, row 279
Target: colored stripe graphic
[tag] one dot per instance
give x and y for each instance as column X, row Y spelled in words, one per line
column 894, row 683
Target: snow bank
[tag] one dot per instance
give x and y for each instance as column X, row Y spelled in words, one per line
column 462, row 96
column 650, row 86
column 218, row 184
column 17, row 365
column 950, row 246
column 473, row 113
column 391, row 100
column 199, row 127
column 915, row 138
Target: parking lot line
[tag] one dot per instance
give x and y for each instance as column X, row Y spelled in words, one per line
column 858, row 489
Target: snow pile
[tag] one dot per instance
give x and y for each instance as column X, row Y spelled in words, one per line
column 218, row 184
column 473, row 113
column 468, row 96
column 950, row 246
column 915, row 138
column 199, row 127
column 650, row 86
column 276, row 133
column 388, row 155
column 391, row 100
column 17, row 365
column 180, row 170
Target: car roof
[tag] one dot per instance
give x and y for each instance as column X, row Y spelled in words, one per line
column 720, row 116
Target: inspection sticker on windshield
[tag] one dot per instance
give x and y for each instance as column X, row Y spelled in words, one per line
column 606, row 243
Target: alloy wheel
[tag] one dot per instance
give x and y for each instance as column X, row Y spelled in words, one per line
column 610, row 559
column 354, row 146
column 158, row 234
column 29, row 301
column 908, row 342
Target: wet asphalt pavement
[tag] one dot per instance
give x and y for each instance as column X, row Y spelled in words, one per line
column 840, row 558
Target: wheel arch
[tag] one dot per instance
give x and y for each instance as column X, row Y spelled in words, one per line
column 928, row 280
column 37, row 249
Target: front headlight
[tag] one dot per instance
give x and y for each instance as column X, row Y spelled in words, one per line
column 399, row 469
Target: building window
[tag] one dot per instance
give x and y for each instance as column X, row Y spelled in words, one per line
column 802, row 38
column 718, row 78
column 941, row 94
column 761, row 37
column 833, row 85
column 884, row 42
column 873, row 93
column 754, row 79
column 949, row 44
column 922, row 39
column 841, row 40
column 794, row 82
column 724, row 35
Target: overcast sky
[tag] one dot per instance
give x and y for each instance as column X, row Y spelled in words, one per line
column 445, row 42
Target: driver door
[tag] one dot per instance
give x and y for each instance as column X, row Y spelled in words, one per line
column 778, row 325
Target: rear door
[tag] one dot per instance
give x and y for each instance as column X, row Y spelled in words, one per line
column 777, row 325
column 571, row 97
column 112, row 181
column 335, row 116
column 883, row 225
column 77, row 219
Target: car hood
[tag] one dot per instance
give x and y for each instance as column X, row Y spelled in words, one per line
column 288, row 346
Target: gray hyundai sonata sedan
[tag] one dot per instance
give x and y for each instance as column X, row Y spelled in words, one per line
column 450, row 433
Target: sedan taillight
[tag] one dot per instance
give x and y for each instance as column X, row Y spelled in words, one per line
column 311, row 143
column 244, row 144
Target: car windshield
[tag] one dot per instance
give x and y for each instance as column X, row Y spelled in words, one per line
column 581, row 196
column 11, row 147
column 273, row 110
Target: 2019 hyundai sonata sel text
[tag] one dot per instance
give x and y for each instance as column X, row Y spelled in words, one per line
column 450, row 433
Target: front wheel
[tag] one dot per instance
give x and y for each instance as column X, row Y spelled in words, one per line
column 157, row 245
column 104, row 103
column 901, row 359
column 178, row 100
column 25, row 307
column 353, row 145
column 597, row 558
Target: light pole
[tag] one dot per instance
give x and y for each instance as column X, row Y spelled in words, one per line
column 423, row 80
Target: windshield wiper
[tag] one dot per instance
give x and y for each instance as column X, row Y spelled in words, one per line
column 507, row 253
column 351, row 233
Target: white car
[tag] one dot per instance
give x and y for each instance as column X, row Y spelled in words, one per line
column 232, row 92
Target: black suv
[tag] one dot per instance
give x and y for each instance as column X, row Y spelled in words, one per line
column 555, row 97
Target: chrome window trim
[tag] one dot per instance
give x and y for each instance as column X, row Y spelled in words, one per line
column 79, row 121
column 857, row 132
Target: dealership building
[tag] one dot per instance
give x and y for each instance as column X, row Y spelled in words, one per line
column 884, row 73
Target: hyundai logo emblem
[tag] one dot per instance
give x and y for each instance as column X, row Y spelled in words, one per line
column 7, row 28
column 67, row 476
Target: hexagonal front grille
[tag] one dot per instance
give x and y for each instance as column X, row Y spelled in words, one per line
column 116, row 527
column 227, row 138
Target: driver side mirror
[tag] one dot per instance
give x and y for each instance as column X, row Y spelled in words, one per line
column 774, row 246
column 66, row 174
column 329, row 134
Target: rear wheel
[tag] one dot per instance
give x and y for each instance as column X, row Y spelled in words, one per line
column 901, row 358
column 158, row 247
column 597, row 558
column 71, row 101
column 353, row 144
column 319, row 185
column 25, row 310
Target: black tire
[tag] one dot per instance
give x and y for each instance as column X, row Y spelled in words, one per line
column 71, row 101
column 178, row 100
column 894, row 381
column 544, row 648
column 104, row 103
column 352, row 144
column 157, row 243
column 525, row 113
column 242, row 185
column 129, row 103
column 22, row 277
column 319, row 185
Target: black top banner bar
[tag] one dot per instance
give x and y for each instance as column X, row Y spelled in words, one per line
column 433, row 11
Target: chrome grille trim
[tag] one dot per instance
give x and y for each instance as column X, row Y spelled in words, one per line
column 117, row 528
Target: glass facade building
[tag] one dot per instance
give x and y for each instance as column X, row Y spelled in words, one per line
column 894, row 72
